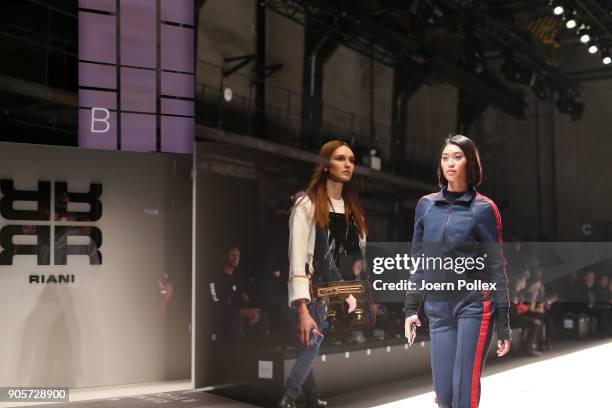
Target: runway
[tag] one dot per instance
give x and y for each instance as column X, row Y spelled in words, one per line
column 564, row 379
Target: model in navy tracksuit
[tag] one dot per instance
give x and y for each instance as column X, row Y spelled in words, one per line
column 460, row 323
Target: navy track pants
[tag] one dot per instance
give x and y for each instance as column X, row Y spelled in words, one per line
column 460, row 338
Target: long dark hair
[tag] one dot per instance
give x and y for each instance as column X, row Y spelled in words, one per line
column 469, row 149
column 317, row 192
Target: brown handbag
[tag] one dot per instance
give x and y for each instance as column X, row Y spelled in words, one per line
column 333, row 296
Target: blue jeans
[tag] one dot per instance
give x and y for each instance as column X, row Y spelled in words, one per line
column 301, row 373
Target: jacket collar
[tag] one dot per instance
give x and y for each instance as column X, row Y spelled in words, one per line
column 465, row 198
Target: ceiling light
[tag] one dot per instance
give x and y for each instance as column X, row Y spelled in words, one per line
column 593, row 49
column 558, row 10
column 571, row 23
column 585, row 38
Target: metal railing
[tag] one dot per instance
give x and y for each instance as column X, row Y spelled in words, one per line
column 285, row 123
column 38, row 53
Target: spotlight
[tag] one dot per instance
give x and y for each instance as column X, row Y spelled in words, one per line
column 606, row 59
column 585, row 38
column 571, row 23
column 593, row 49
column 558, row 10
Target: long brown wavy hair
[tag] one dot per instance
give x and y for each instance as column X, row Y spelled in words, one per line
column 317, row 192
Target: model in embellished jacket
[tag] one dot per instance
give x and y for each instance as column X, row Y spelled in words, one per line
column 457, row 221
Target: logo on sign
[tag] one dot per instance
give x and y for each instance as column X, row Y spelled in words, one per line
column 56, row 225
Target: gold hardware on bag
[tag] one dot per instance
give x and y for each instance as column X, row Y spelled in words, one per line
column 340, row 290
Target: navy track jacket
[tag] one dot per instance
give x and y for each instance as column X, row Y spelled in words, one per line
column 468, row 227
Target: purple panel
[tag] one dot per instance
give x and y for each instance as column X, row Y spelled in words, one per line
column 97, row 75
column 177, row 107
column 177, row 11
column 177, row 134
column 138, row 132
column 173, row 84
column 138, row 90
column 138, row 33
column 87, row 138
column 97, row 99
column 104, row 5
column 176, row 48
column 97, row 38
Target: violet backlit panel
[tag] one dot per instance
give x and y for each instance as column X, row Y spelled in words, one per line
column 177, row 134
column 97, row 99
column 175, row 84
column 138, row 33
column 177, row 107
column 103, row 5
column 138, row 90
column 97, row 38
column 97, row 75
column 89, row 139
column 176, row 48
column 138, row 132
column 177, row 11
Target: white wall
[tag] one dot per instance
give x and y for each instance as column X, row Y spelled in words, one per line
column 106, row 328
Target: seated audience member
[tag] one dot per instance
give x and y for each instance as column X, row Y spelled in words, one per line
column 609, row 290
column 587, row 294
column 519, row 317
column 602, row 293
column 536, row 298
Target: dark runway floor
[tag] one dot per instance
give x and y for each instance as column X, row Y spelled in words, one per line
column 183, row 399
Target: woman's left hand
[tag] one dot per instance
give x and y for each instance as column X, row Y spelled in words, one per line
column 503, row 347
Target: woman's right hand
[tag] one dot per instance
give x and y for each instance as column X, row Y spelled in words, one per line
column 305, row 324
column 414, row 319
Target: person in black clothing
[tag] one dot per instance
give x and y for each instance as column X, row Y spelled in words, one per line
column 537, row 301
column 231, row 302
column 602, row 294
column 587, row 292
column 519, row 318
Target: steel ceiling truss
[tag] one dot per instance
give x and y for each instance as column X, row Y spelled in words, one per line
column 342, row 26
column 366, row 35
column 522, row 49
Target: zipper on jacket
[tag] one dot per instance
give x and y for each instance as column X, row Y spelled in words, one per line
column 450, row 210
